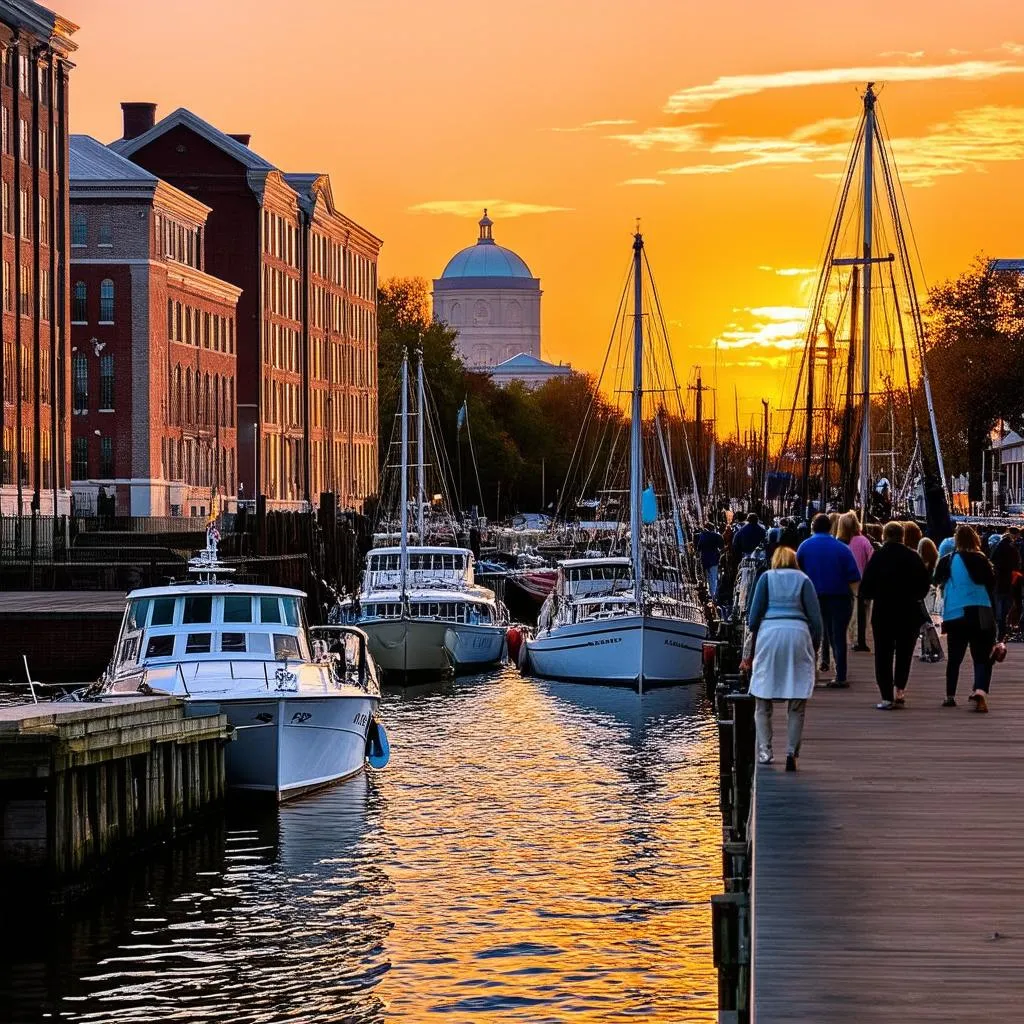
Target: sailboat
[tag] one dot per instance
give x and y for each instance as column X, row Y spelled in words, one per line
column 633, row 620
column 862, row 391
column 419, row 604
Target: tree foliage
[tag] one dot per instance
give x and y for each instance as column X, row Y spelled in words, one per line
column 976, row 360
column 523, row 439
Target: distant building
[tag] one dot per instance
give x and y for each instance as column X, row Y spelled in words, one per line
column 35, row 431
column 528, row 370
column 1011, row 465
column 307, row 315
column 153, row 336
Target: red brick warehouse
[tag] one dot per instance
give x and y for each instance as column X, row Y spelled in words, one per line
column 307, row 316
column 153, row 345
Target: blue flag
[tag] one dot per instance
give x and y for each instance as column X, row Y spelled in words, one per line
column 649, row 506
column 460, row 421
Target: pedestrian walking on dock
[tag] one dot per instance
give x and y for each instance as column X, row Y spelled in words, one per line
column 785, row 621
column 967, row 581
column 896, row 582
column 833, row 570
column 862, row 550
column 709, row 546
column 748, row 538
column 1006, row 562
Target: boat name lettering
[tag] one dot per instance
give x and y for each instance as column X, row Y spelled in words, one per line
column 361, row 719
column 301, row 716
column 264, row 717
column 675, row 643
column 607, row 640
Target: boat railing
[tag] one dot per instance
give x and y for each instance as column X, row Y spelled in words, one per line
column 364, row 673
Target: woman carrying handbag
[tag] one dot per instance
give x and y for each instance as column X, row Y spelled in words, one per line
column 785, row 623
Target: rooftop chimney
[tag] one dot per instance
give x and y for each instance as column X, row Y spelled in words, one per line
column 242, row 137
column 138, row 118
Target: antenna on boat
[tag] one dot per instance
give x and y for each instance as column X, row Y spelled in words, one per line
column 636, row 456
column 206, row 565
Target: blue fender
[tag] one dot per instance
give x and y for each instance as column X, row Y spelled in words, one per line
column 378, row 750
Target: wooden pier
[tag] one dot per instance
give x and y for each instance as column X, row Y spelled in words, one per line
column 888, row 872
column 81, row 782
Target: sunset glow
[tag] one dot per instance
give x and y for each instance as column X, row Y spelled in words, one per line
column 723, row 128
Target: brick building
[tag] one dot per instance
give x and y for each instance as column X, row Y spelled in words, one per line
column 153, row 340
column 34, row 370
column 307, row 320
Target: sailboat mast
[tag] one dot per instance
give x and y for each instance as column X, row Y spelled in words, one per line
column 865, row 427
column 421, row 415
column 404, row 556
column 636, row 458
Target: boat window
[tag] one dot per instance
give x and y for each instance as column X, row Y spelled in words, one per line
column 137, row 612
column 237, row 608
column 129, row 649
column 285, row 646
column 197, row 643
column 232, row 643
column 197, row 608
column 163, row 611
column 270, row 609
column 259, row 643
column 160, row 646
column 291, row 611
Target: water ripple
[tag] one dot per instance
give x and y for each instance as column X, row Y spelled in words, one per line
column 535, row 852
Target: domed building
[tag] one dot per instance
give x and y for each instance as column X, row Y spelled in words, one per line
column 489, row 296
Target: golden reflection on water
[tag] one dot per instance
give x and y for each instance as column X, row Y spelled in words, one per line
column 535, row 852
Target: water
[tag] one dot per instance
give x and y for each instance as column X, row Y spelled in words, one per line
column 535, row 852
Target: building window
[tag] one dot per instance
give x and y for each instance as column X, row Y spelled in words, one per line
column 79, row 458
column 79, row 313
column 5, row 121
column 106, row 458
column 80, row 383
column 106, row 383
column 24, row 73
column 106, row 301
column 44, row 86
column 24, row 145
column 25, row 293
column 106, row 235
column 24, row 213
column 44, row 294
column 79, row 229
column 44, row 218
column 7, row 286
column 5, row 199
column 44, row 149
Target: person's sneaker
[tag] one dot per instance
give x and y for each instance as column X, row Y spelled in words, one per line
column 791, row 762
column 838, row 684
column 884, row 705
column 949, row 702
column 764, row 755
column 980, row 703
column 973, row 697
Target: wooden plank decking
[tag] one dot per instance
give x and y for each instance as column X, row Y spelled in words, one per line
column 888, row 879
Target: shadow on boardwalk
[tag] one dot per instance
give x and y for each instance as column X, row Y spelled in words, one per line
column 889, row 871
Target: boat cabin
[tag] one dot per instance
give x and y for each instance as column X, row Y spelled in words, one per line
column 442, row 607
column 594, row 577
column 211, row 622
column 428, row 567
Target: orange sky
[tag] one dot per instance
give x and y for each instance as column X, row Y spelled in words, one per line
column 407, row 103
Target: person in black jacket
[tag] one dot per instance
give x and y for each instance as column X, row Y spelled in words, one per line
column 897, row 581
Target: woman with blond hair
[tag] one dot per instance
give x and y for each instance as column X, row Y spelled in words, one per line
column 862, row 549
column 785, row 621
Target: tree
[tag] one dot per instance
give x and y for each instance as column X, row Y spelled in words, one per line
column 976, row 362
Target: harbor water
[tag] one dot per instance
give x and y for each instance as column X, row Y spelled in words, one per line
column 535, row 852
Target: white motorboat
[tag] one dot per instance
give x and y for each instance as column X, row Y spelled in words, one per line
column 634, row 621
column 302, row 701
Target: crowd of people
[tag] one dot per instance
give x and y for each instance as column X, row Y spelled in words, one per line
column 828, row 579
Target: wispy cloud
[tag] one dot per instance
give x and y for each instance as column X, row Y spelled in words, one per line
column 968, row 141
column 907, row 54
column 702, row 97
column 771, row 328
column 589, row 126
column 788, row 271
column 642, row 181
column 681, row 138
column 497, row 208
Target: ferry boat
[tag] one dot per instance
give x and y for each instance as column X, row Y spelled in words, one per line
column 302, row 701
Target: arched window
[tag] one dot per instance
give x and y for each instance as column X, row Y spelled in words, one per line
column 207, row 418
column 79, row 312
column 188, row 396
column 106, row 301
column 176, row 397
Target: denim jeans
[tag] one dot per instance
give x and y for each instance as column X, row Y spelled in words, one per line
column 1002, row 610
column 963, row 634
column 712, row 574
column 836, row 610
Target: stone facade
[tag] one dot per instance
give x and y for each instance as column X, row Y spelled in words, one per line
column 34, row 368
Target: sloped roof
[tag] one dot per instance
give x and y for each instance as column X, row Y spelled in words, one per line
column 526, row 363
column 1014, row 265
column 91, row 160
column 186, row 119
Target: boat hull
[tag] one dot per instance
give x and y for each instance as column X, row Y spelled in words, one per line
column 639, row 651
column 408, row 649
column 286, row 746
column 473, row 647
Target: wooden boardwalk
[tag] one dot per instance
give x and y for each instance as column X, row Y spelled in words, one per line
column 888, row 878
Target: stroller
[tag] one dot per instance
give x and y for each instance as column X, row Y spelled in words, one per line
column 931, row 646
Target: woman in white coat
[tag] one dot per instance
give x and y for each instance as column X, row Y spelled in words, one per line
column 785, row 620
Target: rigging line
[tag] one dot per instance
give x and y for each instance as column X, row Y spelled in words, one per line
column 476, row 471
